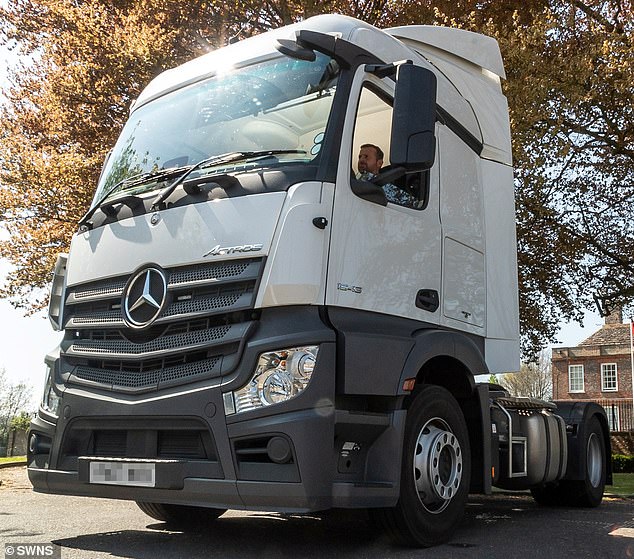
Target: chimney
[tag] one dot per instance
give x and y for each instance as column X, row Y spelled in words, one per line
column 615, row 316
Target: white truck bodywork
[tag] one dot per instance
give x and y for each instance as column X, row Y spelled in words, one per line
column 251, row 323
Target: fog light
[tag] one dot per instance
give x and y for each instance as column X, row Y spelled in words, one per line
column 279, row 450
column 33, row 443
column 39, row 444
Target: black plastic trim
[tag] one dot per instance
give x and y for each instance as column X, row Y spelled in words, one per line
column 459, row 130
column 347, row 54
column 378, row 352
column 350, row 57
column 433, row 342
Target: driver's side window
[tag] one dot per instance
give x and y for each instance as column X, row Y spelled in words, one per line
column 371, row 148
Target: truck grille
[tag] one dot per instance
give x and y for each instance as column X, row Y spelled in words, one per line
column 198, row 333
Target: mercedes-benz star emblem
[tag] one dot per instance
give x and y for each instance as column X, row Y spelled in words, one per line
column 144, row 297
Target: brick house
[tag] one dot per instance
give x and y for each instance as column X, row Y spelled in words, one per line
column 599, row 369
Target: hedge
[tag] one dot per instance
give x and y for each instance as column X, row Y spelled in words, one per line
column 622, row 464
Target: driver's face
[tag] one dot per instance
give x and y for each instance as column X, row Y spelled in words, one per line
column 368, row 162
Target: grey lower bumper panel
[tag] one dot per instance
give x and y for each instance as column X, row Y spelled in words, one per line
column 215, row 493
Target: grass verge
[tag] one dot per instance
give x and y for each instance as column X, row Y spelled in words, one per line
column 11, row 459
column 623, row 485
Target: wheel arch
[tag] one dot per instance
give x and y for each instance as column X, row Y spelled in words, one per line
column 447, row 359
column 451, row 360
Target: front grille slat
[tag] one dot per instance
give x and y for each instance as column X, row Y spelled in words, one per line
column 166, row 345
column 205, row 274
column 138, row 380
column 204, row 323
column 229, row 299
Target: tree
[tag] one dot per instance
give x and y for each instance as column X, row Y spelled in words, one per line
column 14, row 399
column 21, row 422
column 534, row 379
column 570, row 76
column 569, row 84
column 64, row 110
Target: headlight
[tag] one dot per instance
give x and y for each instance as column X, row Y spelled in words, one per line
column 279, row 376
column 50, row 400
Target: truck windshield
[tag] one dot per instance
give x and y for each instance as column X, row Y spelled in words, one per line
column 279, row 104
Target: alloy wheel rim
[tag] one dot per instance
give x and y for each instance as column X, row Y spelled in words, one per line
column 437, row 465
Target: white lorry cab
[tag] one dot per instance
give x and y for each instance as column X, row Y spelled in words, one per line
column 252, row 321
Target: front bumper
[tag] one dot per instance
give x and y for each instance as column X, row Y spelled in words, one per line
column 336, row 458
column 217, row 484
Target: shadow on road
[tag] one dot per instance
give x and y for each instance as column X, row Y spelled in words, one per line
column 498, row 526
column 257, row 535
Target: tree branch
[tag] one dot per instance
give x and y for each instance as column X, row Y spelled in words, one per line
column 597, row 17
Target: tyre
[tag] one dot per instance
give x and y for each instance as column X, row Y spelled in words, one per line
column 548, row 495
column 180, row 515
column 435, row 474
column 588, row 492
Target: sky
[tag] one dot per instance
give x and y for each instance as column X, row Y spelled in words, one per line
column 25, row 341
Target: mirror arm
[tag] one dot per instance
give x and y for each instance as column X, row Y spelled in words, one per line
column 368, row 191
column 385, row 70
column 389, row 176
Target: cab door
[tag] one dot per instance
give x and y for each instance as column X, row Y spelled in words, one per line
column 383, row 258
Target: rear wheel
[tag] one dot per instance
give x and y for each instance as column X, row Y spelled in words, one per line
column 548, row 495
column 587, row 492
column 180, row 515
column 435, row 472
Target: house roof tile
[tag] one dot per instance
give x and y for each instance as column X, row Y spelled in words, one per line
column 609, row 334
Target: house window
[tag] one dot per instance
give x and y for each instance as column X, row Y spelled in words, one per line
column 575, row 378
column 613, row 417
column 609, row 377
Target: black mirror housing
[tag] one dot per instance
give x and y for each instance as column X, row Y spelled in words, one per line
column 413, row 140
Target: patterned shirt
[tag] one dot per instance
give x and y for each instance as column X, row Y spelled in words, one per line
column 393, row 193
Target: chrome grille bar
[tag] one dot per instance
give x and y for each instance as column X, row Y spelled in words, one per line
column 198, row 334
column 162, row 346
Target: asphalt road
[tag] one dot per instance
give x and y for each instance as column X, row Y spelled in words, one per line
column 501, row 526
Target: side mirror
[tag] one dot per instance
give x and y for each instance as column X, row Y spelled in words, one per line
column 413, row 141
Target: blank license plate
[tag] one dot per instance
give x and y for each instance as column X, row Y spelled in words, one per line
column 123, row 473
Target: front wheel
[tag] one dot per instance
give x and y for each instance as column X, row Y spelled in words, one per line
column 435, row 473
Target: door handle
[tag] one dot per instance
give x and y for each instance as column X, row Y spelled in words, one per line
column 428, row 300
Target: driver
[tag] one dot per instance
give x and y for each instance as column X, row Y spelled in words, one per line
column 369, row 165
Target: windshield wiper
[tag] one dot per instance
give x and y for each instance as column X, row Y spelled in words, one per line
column 159, row 202
column 130, row 182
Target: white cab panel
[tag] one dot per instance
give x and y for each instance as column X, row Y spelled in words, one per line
column 380, row 257
column 474, row 48
column 462, row 217
column 502, row 356
column 474, row 67
column 182, row 236
column 461, row 205
column 295, row 270
column 502, row 346
column 464, row 292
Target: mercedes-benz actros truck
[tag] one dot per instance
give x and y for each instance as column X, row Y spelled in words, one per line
column 251, row 323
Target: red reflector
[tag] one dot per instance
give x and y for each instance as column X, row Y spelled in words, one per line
column 409, row 384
